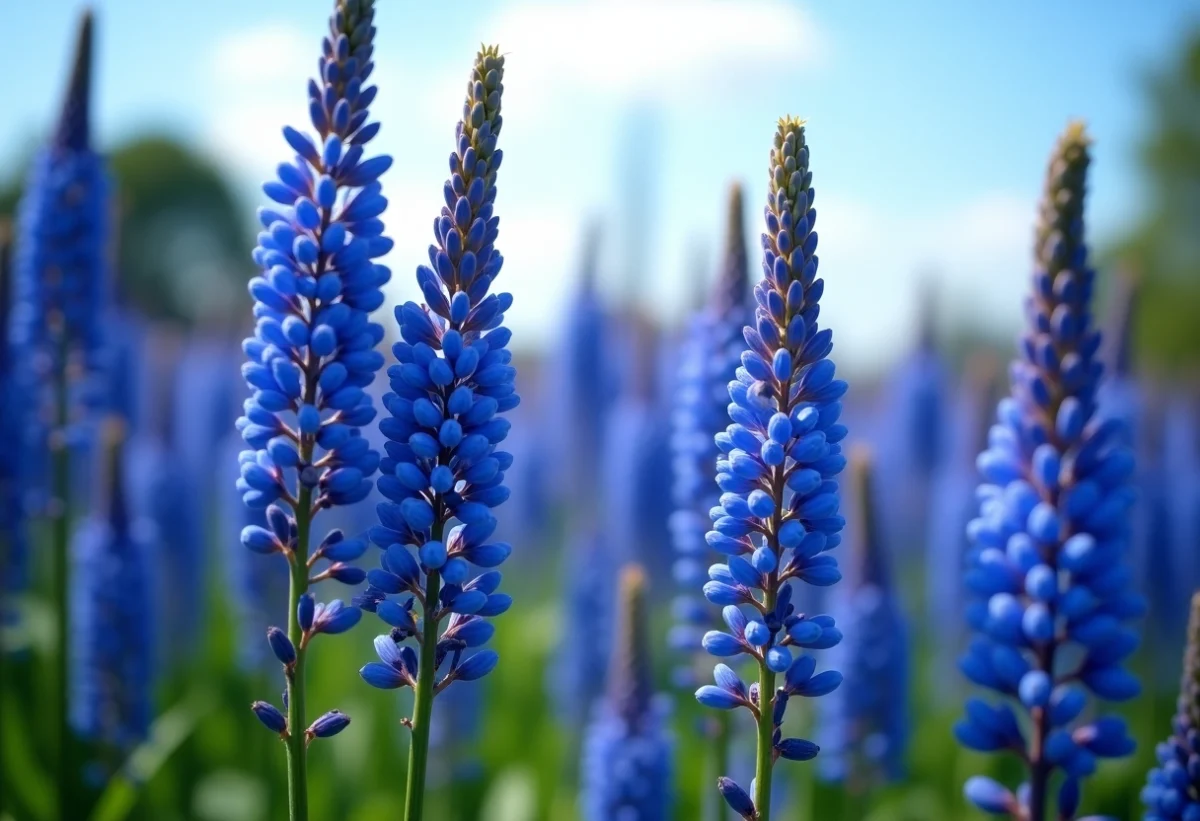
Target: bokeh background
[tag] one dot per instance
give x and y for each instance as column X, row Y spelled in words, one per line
column 625, row 125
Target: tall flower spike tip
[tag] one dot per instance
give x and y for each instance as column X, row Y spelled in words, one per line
column 112, row 646
column 61, row 266
column 74, row 125
column 627, row 751
column 864, row 723
column 1048, row 586
column 777, row 517
column 443, row 474
column 1172, row 791
column 313, row 351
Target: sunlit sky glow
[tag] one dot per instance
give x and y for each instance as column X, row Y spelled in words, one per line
column 929, row 125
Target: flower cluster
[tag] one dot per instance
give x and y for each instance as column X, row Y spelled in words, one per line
column 777, row 515
column 61, row 278
column 14, row 539
column 451, row 382
column 864, row 725
column 576, row 678
column 627, row 752
column 313, row 354
column 1049, row 589
column 709, row 362
column 111, row 616
column 1172, row 791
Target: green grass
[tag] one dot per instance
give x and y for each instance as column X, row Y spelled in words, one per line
column 209, row 760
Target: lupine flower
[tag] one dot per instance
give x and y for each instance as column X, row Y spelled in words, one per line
column 1049, row 585
column 451, row 382
column 584, row 379
column 636, row 454
column 60, row 266
column 1172, row 791
column 777, row 518
column 576, row 677
column 165, row 493
column 865, row 722
column 111, row 641
column 199, row 400
column 709, row 361
column 14, row 544
column 1181, row 462
column 913, row 431
column 925, row 379
column 313, row 350
column 952, row 505
column 627, row 752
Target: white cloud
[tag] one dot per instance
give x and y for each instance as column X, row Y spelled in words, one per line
column 563, row 54
column 276, row 52
column 257, row 79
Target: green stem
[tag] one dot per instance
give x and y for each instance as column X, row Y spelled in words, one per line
column 418, row 753
column 296, row 742
column 766, row 749
column 60, row 537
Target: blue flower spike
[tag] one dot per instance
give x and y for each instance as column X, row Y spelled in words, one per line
column 1172, row 791
column 60, row 296
column 777, row 518
column 711, row 355
column 864, row 725
column 627, row 748
column 1048, row 586
column 443, row 474
column 312, row 355
column 112, row 647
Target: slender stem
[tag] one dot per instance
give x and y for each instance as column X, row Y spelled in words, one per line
column 296, row 747
column 1040, row 768
column 766, row 749
column 60, row 537
column 418, row 753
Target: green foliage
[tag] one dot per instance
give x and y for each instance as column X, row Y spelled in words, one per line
column 1164, row 249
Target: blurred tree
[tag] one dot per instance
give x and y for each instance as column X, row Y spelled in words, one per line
column 1164, row 249
column 183, row 250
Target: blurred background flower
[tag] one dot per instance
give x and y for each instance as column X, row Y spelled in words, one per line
column 621, row 144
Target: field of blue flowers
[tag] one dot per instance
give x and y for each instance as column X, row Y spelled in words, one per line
column 348, row 556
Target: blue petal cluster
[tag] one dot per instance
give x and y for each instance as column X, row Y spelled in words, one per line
column 777, row 517
column 313, row 350
column 864, row 724
column 111, row 615
column 451, row 382
column 576, row 677
column 14, row 537
column 1172, row 791
column 61, row 274
column 1048, row 584
column 709, row 361
column 627, row 750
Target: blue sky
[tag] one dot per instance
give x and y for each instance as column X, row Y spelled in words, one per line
column 929, row 123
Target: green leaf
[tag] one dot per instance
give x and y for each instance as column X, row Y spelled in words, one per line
column 166, row 736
